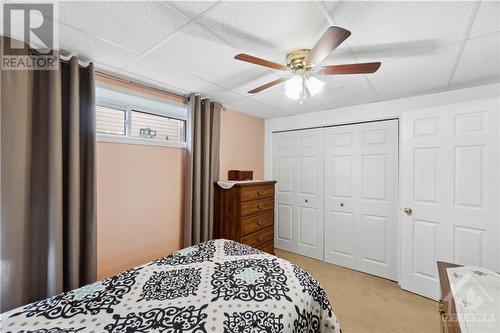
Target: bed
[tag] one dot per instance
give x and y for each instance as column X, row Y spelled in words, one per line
column 216, row 286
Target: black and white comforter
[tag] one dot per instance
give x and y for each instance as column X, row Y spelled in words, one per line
column 216, row 286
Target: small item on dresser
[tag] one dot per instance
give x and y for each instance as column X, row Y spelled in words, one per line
column 239, row 175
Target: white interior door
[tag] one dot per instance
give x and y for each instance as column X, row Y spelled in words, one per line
column 298, row 169
column 449, row 179
column 361, row 173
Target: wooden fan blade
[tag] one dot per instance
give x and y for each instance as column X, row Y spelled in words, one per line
column 330, row 40
column 365, row 68
column 268, row 85
column 259, row 61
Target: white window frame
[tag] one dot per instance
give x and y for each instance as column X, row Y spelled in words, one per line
column 127, row 138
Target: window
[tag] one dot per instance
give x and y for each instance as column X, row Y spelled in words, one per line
column 129, row 118
column 147, row 125
column 110, row 120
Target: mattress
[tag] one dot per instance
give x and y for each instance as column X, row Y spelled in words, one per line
column 216, row 286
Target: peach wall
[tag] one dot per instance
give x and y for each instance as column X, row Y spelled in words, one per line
column 241, row 143
column 139, row 204
column 140, row 192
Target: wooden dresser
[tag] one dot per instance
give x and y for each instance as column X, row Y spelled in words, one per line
column 245, row 213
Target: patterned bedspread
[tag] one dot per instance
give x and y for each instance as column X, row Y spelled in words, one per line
column 216, row 286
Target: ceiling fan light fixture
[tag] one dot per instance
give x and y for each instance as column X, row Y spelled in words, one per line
column 300, row 87
column 293, row 87
column 314, row 85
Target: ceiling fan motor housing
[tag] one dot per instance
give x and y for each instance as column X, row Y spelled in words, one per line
column 295, row 60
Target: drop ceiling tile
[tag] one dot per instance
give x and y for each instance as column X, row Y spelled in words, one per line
column 253, row 108
column 246, row 83
column 135, row 25
column 487, row 19
column 419, row 74
column 196, row 51
column 267, row 29
column 345, row 90
column 480, row 62
column 164, row 74
column 338, row 91
column 73, row 42
column 383, row 30
column 191, row 8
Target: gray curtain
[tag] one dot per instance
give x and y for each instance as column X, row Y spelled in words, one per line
column 203, row 140
column 48, row 227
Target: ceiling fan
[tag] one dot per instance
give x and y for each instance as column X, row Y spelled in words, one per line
column 303, row 63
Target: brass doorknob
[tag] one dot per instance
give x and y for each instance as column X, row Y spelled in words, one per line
column 407, row 210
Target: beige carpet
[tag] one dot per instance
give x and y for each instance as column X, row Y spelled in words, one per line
column 365, row 303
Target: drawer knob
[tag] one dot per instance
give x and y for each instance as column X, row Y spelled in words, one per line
column 260, row 224
column 259, row 238
column 442, row 307
column 260, row 206
column 260, row 193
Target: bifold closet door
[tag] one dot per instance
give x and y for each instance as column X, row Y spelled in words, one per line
column 449, row 172
column 298, row 169
column 361, row 173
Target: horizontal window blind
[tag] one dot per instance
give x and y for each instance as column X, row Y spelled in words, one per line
column 110, row 120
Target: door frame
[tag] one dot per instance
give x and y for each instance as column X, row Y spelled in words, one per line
column 398, row 180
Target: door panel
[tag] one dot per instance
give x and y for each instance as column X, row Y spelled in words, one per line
column 307, row 230
column 343, row 234
column 284, row 170
column 284, row 225
column 340, row 197
column 374, row 239
column 298, row 163
column 450, row 157
column 284, row 174
column 373, row 187
column 361, row 197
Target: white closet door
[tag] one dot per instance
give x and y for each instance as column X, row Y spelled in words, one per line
column 298, row 169
column 361, row 172
column 449, row 180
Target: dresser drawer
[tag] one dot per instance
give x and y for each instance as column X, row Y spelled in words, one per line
column 255, row 223
column 255, row 206
column 268, row 247
column 259, row 238
column 252, row 224
column 257, row 192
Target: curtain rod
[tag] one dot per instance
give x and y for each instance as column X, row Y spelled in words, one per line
column 139, row 87
column 222, row 106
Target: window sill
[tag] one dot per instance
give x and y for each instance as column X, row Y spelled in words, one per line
column 137, row 141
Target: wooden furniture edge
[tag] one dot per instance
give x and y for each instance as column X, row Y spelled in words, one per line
column 447, row 308
column 246, row 183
